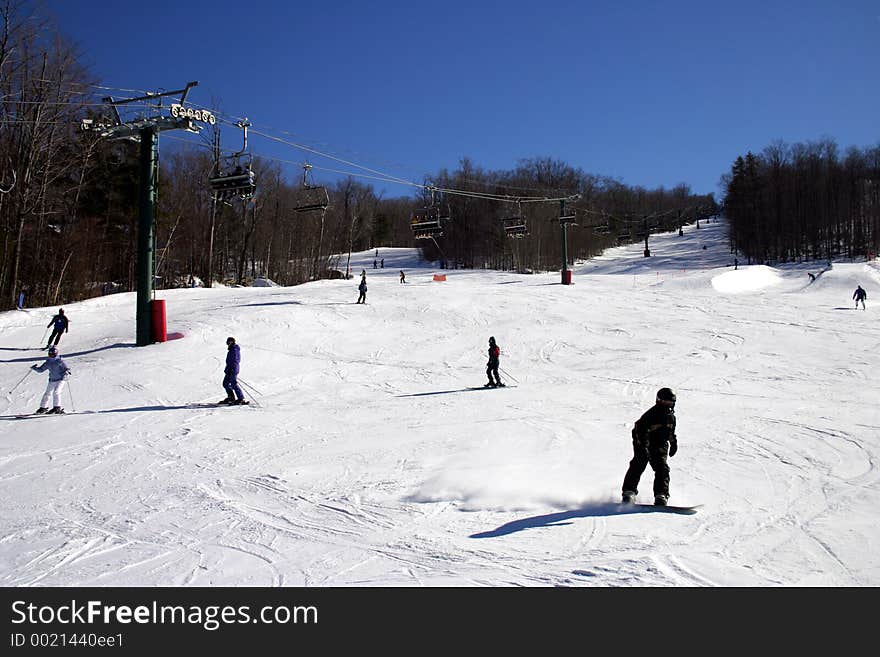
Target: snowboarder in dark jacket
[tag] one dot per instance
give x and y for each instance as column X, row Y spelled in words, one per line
column 234, row 395
column 860, row 295
column 362, row 288
column 60, row 326
column 58, row 373
column 492, row 365
column 653, row 440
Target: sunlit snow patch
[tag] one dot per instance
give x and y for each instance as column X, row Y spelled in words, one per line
column 748, row 279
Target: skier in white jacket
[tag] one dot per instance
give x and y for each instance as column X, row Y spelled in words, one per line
column 58, row 373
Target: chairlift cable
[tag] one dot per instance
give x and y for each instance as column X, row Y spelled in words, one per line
column 389, row 178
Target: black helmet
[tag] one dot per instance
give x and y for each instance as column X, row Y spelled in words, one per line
column 492, row 340
column 53, row 351
column 230, row 340
column 666, row 395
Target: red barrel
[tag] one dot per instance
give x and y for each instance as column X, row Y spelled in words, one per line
column 157, row 310
column 566, row 276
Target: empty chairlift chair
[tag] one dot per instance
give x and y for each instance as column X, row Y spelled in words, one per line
column 311, row 197
column 516, row 226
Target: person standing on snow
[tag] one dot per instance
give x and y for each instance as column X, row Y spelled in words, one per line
column 492, row 365
column 653, row 440
column 60, row 326
column 402, row 277
column 58, row 373
column 234, row 395
column 860, row 295
column 362, row 289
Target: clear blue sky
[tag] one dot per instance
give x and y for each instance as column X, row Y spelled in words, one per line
column 651, row 93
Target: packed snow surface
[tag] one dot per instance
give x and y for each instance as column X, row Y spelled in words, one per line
column 365, row 458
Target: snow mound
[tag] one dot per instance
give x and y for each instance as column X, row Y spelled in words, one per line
column 747, row 279
column 264, row 282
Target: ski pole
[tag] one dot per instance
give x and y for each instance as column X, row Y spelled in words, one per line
column 507, row 374
column 20, row 382
column 248, row 385
column 70, row 392
column 247, row 392
column 45, row 333
column 246, row 389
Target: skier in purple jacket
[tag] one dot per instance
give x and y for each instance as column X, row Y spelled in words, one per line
column 234, row 395
column 60, row 325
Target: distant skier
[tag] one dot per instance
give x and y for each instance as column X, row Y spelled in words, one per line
column 492, row 365
column 860, row 295
column 362, row 289
column 402, row 277
column 60, row 324
column 653, row 440
column 58, row 373
column 234, row 395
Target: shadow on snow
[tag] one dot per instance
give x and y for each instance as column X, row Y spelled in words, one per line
column 561, row 518
column 133, row 409
column 447, row 392
column 70, row 354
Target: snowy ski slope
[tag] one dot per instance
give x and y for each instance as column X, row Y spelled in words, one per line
column 366, row 462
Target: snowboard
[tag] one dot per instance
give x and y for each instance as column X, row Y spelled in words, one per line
column 645, row 508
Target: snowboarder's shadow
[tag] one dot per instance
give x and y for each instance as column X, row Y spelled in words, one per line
column 560, row 519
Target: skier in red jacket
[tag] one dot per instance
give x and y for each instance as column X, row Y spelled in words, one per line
column 492, row 365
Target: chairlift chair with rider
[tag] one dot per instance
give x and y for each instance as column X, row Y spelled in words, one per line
column 234, row 176
column 427, row 222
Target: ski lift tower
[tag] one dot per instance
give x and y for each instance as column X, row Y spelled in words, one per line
column 146, row 129
column 564, row 221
